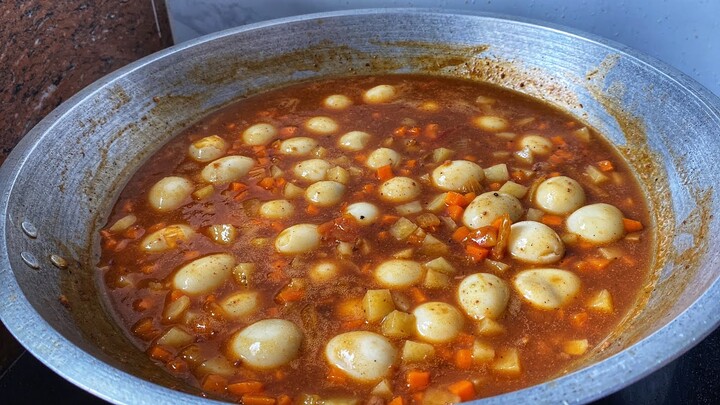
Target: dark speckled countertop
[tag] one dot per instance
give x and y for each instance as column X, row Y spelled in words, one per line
column 52, row 49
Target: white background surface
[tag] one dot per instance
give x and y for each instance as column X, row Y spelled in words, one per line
column 684, row 34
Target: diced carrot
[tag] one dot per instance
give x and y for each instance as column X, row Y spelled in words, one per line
column 400, row 131
column 455, row 212
column 284, row 400
column 388, row 219
column 417, row 397
column 476, row 253
column 177, row 365
column 254, row 399
column 471, row 158
column 383, row 235
column 404, row 172
column 142, row 304
column 518, row 175
column 280, row 181
column 289, row 294
column 368, row 188
column 412, row 163
column 237, row 187
column 156, row 227
column 543, row 125
column 469, row 197
column 497, row 223
column 214, row 383
column 288, row 132
column 605, row 166
column 558, row 140
column 418, row 380
column 463, row 359
column 414, row 239
column 335, row 376
column 553, row 174
column 465, row 339
column 267, row 183
column 579, row 320
column 551, row 220
column 260, row 150
column 385, row 173
column 134, row 232
column 418, row 296
column 191, row 254
column 277, row 226
column 460, row 234
column 175, row 294
column 431, row 131
column 360, row 158
column 453, row 198
column 495, row 186
column 397, row 401
column 414, row 131
column 159, row 353
column 632, row 225
column 272, row 312
column 312, row 209
column 351, row 324
column 463, row 389
column 245, row 387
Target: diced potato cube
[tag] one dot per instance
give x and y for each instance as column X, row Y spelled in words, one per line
column 482, row 352
column 437, row 204
column 489, row 327
column 319, row 152
column 350, row 309
column 524, row 155
column 410, row 208
column 402, row 229
column 442, row 265
column 596, row 176
column 534, row 214
column 610, row 253
column 377, row 304
column 404, row 254
column 507, row 362
column 175, row 337
column 427, row 220
column 292, row 191
column 345, row 249
column 340, row 401
column 514, row 189
column 601, row 302
column 569, row 238
column 432, row 246
column 398, row 324
column 223, row 234
column 449, row 223
column 582, row 134
column 216, row 365
column 442, row 154
column 497, row 266
column 497, row 173
column 414, row 352
column 275, row 171
column 242, row 273
column 436, row 396
column 436, row 279
column 338, row 174
column 576, row 347
column 383, row 390
column 174, row 309
column 123, row 223
column 203, row 192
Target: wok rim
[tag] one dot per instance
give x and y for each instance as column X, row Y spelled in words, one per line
column 29, row 328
